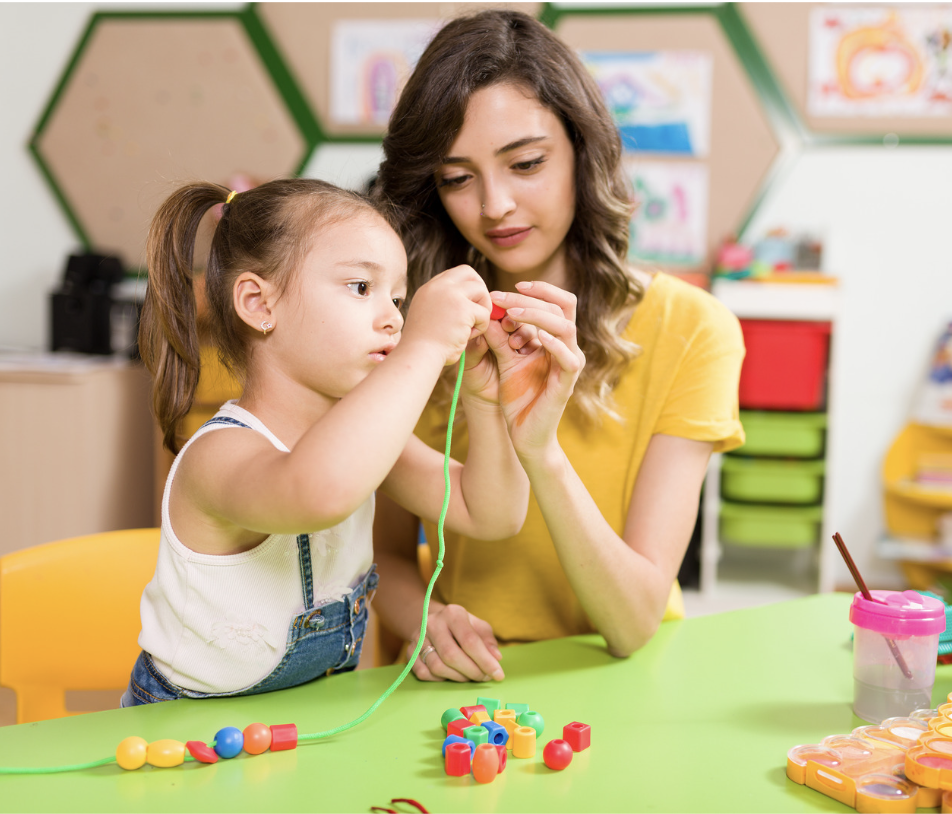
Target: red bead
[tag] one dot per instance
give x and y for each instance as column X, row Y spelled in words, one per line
column 202, row 752
column 456, row 727
column 485, row 763
column 468, row 711
column 457, row 759
column 557, row 754
column 503, row 752
column 578, row 735
column 497, row 312
column 283, row 736
column 257, row 738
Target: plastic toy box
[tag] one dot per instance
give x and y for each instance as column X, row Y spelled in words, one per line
column 783, row 435
column 766, row 481
column 772, row 526
column 785, row 365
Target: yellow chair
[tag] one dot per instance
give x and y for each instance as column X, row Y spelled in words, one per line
column 69, row 617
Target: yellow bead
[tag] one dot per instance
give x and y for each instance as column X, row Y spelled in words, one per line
column 166, row 753
column 523, row 741
column 506, row 718
column 478, row 717
column 130, row 754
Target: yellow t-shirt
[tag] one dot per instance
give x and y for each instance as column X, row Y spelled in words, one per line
column 684, row 383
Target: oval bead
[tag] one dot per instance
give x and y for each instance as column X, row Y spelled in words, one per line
column 131, row 752
column 228, row 741
column 485, row 763
column 165, row 753
column 257, row 738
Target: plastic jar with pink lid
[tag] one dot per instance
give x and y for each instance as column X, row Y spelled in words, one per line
column 895, row 645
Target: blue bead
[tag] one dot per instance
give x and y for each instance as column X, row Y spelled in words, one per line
column 497, row 733
column 229, row 741
column 458, row 739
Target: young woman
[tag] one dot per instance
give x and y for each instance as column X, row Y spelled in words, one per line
column 501, row 154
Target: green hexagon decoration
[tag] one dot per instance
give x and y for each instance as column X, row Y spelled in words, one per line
column 152, row 100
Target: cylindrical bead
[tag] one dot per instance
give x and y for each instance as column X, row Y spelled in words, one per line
column 523, row 742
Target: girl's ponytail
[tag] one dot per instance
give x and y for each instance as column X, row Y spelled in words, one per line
column 168, row 331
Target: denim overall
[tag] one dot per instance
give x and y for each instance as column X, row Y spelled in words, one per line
column 321, row 641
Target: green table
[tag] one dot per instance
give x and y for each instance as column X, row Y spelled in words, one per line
column 699, row 720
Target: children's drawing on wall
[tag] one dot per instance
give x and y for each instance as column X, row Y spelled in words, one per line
column 669, row 226
column 882, row 61
column 661, row 101
column 370, row 61
column 934, row 400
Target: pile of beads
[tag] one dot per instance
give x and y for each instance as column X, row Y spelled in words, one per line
column 134, row 752
column 478, row 738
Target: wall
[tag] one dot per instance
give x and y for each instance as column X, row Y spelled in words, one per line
column 882, row 213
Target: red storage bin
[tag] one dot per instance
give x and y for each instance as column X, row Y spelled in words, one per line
column 785, row 365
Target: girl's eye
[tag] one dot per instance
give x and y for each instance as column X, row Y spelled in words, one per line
column 398, row 301
column 361, row 288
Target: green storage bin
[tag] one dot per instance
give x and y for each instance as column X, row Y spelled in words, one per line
column 765, row 481
column 770, row 526
column 782, row 435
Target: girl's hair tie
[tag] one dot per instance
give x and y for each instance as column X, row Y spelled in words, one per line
column 231, row 197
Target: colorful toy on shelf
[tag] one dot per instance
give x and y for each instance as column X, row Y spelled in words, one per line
column 775, row 257
column 897, row 766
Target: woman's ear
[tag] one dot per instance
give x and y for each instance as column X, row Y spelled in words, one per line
column 253, row 301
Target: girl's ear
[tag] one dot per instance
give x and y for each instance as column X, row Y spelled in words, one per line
column 253, row 301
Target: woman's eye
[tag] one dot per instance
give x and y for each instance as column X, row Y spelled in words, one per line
column 528, row 165
column 360, row 288
column 453, row 181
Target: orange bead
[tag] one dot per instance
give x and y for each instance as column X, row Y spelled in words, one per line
column 131, row 752
column 257, row 738
column 523, row 741
column 165, row 753
column 485, row 763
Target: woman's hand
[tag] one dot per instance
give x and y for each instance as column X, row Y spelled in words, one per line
column 534, row 387
column 458, row 647
column 502, row 337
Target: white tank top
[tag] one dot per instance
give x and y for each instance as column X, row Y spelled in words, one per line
column 219, row 623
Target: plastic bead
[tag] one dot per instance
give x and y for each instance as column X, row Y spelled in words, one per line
column 507, row 718
column 228, row 741
column 477, row 734
column 497, row 732
column 257, row 738
column 503, row 755
column 202, row 752
column 457, row 760
column 557, row 754
column 479, row 716
column 578, row 735
column 283, row 736
column 455, row 739
column 497, row 312
column 523, row 742
column 165, row 753
column 491, row 704
column 532, row 718
column 485, row 763
column 451, row 715
column 519, row 708
column 131, row 752
column 468, row 711
column 456, row 726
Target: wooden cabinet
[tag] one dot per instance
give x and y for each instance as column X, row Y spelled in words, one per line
column 76, row 453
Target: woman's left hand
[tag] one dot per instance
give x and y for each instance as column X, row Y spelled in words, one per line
column 505, row 336
column 534, row 387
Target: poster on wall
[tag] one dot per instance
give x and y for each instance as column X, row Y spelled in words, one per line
column 660, row 100
column 370, row 62
column 669, row 226
column 880, row 61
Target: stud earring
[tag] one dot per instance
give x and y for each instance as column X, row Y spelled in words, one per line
column 481, row 213
column 265, row 327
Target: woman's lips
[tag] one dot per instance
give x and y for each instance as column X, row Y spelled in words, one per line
column 505, row 238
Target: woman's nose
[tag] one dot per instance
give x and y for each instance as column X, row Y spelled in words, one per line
column 497, row 201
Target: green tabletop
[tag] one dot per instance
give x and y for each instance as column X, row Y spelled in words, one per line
column 699, row 720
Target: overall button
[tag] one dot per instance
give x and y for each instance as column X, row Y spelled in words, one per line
column 356, row 607
column 316, row 619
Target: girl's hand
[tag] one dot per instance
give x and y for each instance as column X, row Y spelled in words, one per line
column 447, row 312
column 458, row 647
column 534, row 387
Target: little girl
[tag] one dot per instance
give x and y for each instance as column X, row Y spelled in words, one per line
column 265, row 567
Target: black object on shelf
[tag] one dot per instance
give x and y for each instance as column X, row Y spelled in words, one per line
column 83, row 310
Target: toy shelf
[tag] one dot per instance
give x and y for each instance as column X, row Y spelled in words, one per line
column 781, row 301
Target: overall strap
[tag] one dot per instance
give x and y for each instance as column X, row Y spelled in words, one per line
column 307, row 574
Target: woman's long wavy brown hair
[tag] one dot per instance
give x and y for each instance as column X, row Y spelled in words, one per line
column 490, row 48
column 267, row 230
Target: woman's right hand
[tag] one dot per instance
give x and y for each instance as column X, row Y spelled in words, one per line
column 447, row 311
column 458, row 647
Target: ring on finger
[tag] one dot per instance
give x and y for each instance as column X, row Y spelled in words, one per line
column 426, row 652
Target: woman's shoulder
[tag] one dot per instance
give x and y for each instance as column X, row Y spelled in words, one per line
column 671, row 304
